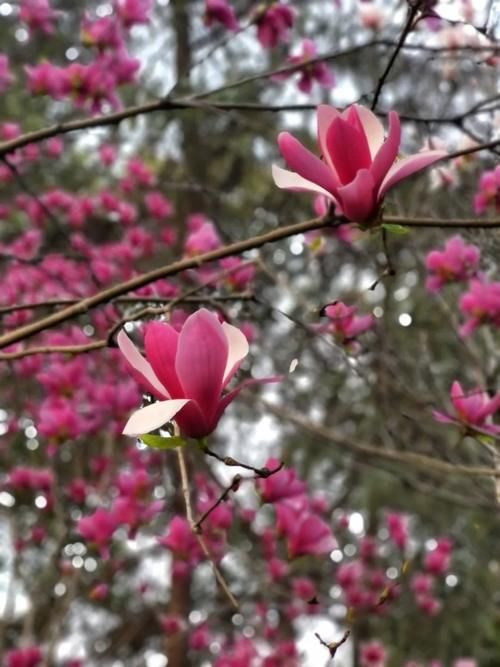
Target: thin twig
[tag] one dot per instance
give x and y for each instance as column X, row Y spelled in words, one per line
column 406, row 31
column 232, row 487
column 196, row 531
column 110, row 293
column 262, row 473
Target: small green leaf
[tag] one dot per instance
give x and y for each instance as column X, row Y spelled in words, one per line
column 485, row 439
column 159, row 442
column 395, row 229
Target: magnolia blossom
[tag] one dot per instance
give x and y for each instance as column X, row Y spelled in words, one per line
column 457, row 262
column 357, row 167
column 219, row 11
column 488, row 192
column 472, row 409
column 273, row 24
column 372, row 654
column 481, row 305
column 308, row 73
column 187, row 372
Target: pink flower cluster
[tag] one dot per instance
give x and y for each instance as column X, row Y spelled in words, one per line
column 95, row 84
column 459, row 262
column 456, row 263
column 220, row 11
column 345, row 325
column 316, row 71
column 31, row 656
column 487, row 196
column 473, row 410
column 364, row 581
column 274, row 23
column 304, row 531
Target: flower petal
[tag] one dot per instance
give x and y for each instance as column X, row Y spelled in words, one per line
column 347, row 148
column 288, row 180
column 160, row 343
column 326, row 115
column 374, row 130
column 202, row 354
column 358, row 199
column 304, row 163
column 408, row 166
column 229, row 398
column 238, row 350
column 153, row 416
column 388, row 152
column 140, row 368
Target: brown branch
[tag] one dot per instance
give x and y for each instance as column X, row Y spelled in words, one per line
column 406, row 31
column 130, row 300
column 232, row 487
column 427, row 463
column 196, row 530
column 166, row 104
column 333, row 646
column 262, row 473
column 280, row 233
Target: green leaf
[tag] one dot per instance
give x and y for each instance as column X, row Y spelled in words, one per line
column 159, row 442
column 395, row 229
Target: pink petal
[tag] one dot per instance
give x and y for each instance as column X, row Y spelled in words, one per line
column 374, row 130
column 153, row 416
column 347, row 148
column 326, row 115
column 238, row 350
column 288, row 180
column 388, row 152
column 443, row 418
column 202, row 354
column 408, row 166
column 304, row 163
column 229, row 398
column 141, row 369
column 160, row 342
column 358, row 199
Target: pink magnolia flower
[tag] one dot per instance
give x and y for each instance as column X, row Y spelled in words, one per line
column 6, row 77
column 308, row 74
column 422, row 584
column 344, row 324
column 98, row 529
column 481, row 305
column 488, row 191
column 280, row 486
column 200, row 638
column 305, row 533
column 46, row 79
column 429, row 605
column 31, row 656
column 202, row 239
column 187, row 371
column 158, row 206
column 38, row 15
column 472, row 409
column 103, row 33
column 465, row 662
column 457, row 262
column 273, row 24
column 357, row 168
column 107, row 154
column 438, row 560
column 237, row 278
column 181, row 541
column 397, row 525
column 373, row 654
column 133, row 12
column 371, row 17
column 219, row 11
